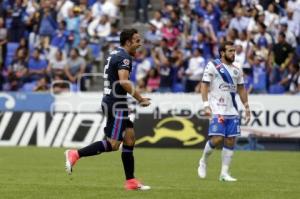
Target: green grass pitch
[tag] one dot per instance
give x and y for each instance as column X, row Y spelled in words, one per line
column 38, row 173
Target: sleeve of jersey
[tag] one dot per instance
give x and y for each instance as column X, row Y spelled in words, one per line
column 124, row 63
column 208, row 73
column 241, row 77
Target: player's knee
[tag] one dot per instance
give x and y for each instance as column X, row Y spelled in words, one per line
column 217, row 140
column 229, row 142
column 129, row 137
column 129, row 141
column 115, row 145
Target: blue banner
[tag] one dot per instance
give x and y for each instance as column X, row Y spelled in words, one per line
column 16, row 101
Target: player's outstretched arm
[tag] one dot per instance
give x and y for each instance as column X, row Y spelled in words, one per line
column 244, row 98
column 129, row 88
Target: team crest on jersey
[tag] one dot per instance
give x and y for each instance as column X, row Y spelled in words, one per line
column 222, row 70
column 235, row 72
column 214, row 128
column 126, row 62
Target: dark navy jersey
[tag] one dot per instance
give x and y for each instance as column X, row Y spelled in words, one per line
column 117, row 60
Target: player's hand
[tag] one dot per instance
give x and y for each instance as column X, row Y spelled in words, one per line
column 248, row 116
column 208, row 112
column 144, row 102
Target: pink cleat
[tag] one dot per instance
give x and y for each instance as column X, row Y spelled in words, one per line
column 71, row 158
column 134, row 184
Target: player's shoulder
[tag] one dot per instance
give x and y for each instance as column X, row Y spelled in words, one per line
column 238, row 69
column 120, row 55
column 213, row 63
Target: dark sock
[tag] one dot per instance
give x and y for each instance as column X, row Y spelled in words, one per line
column 95, row 148
column 128, row 161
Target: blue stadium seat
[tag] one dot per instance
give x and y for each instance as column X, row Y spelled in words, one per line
column 276, row 89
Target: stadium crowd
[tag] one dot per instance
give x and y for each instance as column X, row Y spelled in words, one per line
column 57, row 41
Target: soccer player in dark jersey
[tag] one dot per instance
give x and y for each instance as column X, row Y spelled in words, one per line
column 114, row 105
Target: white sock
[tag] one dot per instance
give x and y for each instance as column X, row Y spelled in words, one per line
column 208, row 149
column 226, row 159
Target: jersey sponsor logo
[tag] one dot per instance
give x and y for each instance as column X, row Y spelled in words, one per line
column 221, row 102
column 227, row 87
column 187, row 134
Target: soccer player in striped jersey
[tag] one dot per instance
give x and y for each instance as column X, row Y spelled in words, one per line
column 119, row 128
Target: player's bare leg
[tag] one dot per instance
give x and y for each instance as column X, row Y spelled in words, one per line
column 227, row 154
column 128, row 162
column 208, row 149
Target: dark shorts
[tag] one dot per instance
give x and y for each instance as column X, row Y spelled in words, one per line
column 117, row 121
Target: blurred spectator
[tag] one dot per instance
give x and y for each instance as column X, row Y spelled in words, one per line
column 292, row 80
column 57, row 65
column 295, row 6
column 141, row 7
column 75, row 68
column 100, row 28
column 262, row 38
column 170, row 33
column 2, row 10
column 60, row 37
column 105, row 7
column 213, row 13
column 63, row 6
column 271, row 18
column 259, row 75
column 153, row 80
column 201, row 25
column 240, row 55
column 194, row 71
column 280, row 57
column 3, row 41
column 157, row 20
column 290, row 37
column 152, row 35
column 73, row 27
column 166, row 72
column 60, row 85
column 113, row 39
column 36, row 66
column 239, row 22
column 42, row 85
column 248, row 79
column 17, row 25
column 293, row 25
column 200, row 41
column 86, row 53
column 17, row 71
column 141, row 86
column 47, row 24
column 143, row 65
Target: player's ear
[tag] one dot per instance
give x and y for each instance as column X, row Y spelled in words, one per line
column 128, row 42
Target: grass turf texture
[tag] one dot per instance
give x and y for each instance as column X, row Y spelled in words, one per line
column 172, row 173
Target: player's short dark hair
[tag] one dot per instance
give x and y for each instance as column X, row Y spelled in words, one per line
column 126, row 35
column 223, row 45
